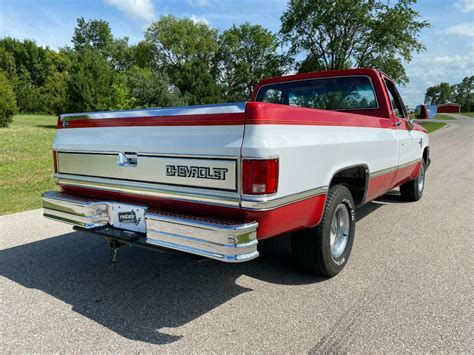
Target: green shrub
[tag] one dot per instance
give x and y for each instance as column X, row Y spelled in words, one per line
column 7, row 101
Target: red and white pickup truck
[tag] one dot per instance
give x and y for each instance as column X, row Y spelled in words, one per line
column 299, row 157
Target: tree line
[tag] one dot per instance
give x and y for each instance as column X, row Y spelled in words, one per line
column 461, row 93
column 183, row 62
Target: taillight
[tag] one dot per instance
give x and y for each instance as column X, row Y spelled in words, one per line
column 59, row 124
column 55, row 160
column 259, row 176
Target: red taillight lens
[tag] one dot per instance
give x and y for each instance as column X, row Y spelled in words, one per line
column 259, row 176
column 55, row 160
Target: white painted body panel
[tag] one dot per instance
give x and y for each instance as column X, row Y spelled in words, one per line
column 311, row 155
column 188, row 140
column 409, row 142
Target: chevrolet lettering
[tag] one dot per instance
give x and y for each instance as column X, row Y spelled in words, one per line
column 298, row 159
column 199, row 172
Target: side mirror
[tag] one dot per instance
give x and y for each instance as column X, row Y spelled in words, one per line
column 410, row 122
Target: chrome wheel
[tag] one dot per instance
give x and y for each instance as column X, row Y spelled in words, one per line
column 421, row 178
column 339, row 233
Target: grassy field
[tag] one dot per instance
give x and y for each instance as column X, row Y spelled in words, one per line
column 468, row 114
column 26, row 162
column 440, row 116
column 431, row 126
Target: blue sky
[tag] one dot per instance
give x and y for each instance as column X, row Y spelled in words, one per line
column 450, row 42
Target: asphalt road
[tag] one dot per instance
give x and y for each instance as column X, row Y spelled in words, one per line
column 407, row 287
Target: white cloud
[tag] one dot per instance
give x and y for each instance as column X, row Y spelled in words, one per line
column 427, row 71
column 463, row 29
column 465, row 5
column 199, row 3
column 142, row 9
column 458, row 61
column 199, row 19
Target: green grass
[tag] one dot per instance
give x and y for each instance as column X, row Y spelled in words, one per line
column 26, row 162
column 431, row 126
column 468, row 114
column 440, row 116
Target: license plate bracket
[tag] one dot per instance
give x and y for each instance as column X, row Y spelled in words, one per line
column 129, row 217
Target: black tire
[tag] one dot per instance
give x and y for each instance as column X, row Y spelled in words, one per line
column 413, row 190
column 311, row 247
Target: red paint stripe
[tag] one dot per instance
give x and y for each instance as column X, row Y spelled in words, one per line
column 380, row 185
column 256, row 113
column 407, row 173
column 227, row 119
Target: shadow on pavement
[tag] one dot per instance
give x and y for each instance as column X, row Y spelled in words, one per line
column 146, row 291
column 389, row 198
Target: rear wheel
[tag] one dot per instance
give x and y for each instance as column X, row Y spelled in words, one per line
column 413, row 190
column 325, row 249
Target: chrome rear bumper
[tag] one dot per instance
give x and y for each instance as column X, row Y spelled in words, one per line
column 223, row 240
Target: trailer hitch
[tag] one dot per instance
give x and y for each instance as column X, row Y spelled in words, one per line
column 114, row 244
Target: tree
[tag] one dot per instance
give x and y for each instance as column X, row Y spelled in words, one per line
column 184, row 50
column 464, row 94
column 150, row 89
column 7, row 101
column 29, row 69
column 246, row 55
column 144, row 54
column 197, row 83
column 353, row 33
column 27, row 93
column 28, row 57
column 93, row 85
column 122, row 56
column 97, row 34
column 94, row 34
column 439, row 94
column 53, row 93
column 7, row 64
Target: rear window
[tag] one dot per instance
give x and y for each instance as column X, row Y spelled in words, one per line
column 344, row 93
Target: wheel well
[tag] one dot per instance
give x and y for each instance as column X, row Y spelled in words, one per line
column 355, row 178
column 426, row 154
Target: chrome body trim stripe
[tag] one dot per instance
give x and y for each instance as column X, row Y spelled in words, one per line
column 151, row 190
column 383, row 172
column 248, row 202
column 409, row 163
column 173, row 155
column 392, row 169
column 236, row 107
column 262, row 203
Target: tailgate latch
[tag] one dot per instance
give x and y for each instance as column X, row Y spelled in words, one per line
column 127, row 159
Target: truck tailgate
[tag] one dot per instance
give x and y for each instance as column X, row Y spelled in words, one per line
column 195, row 148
